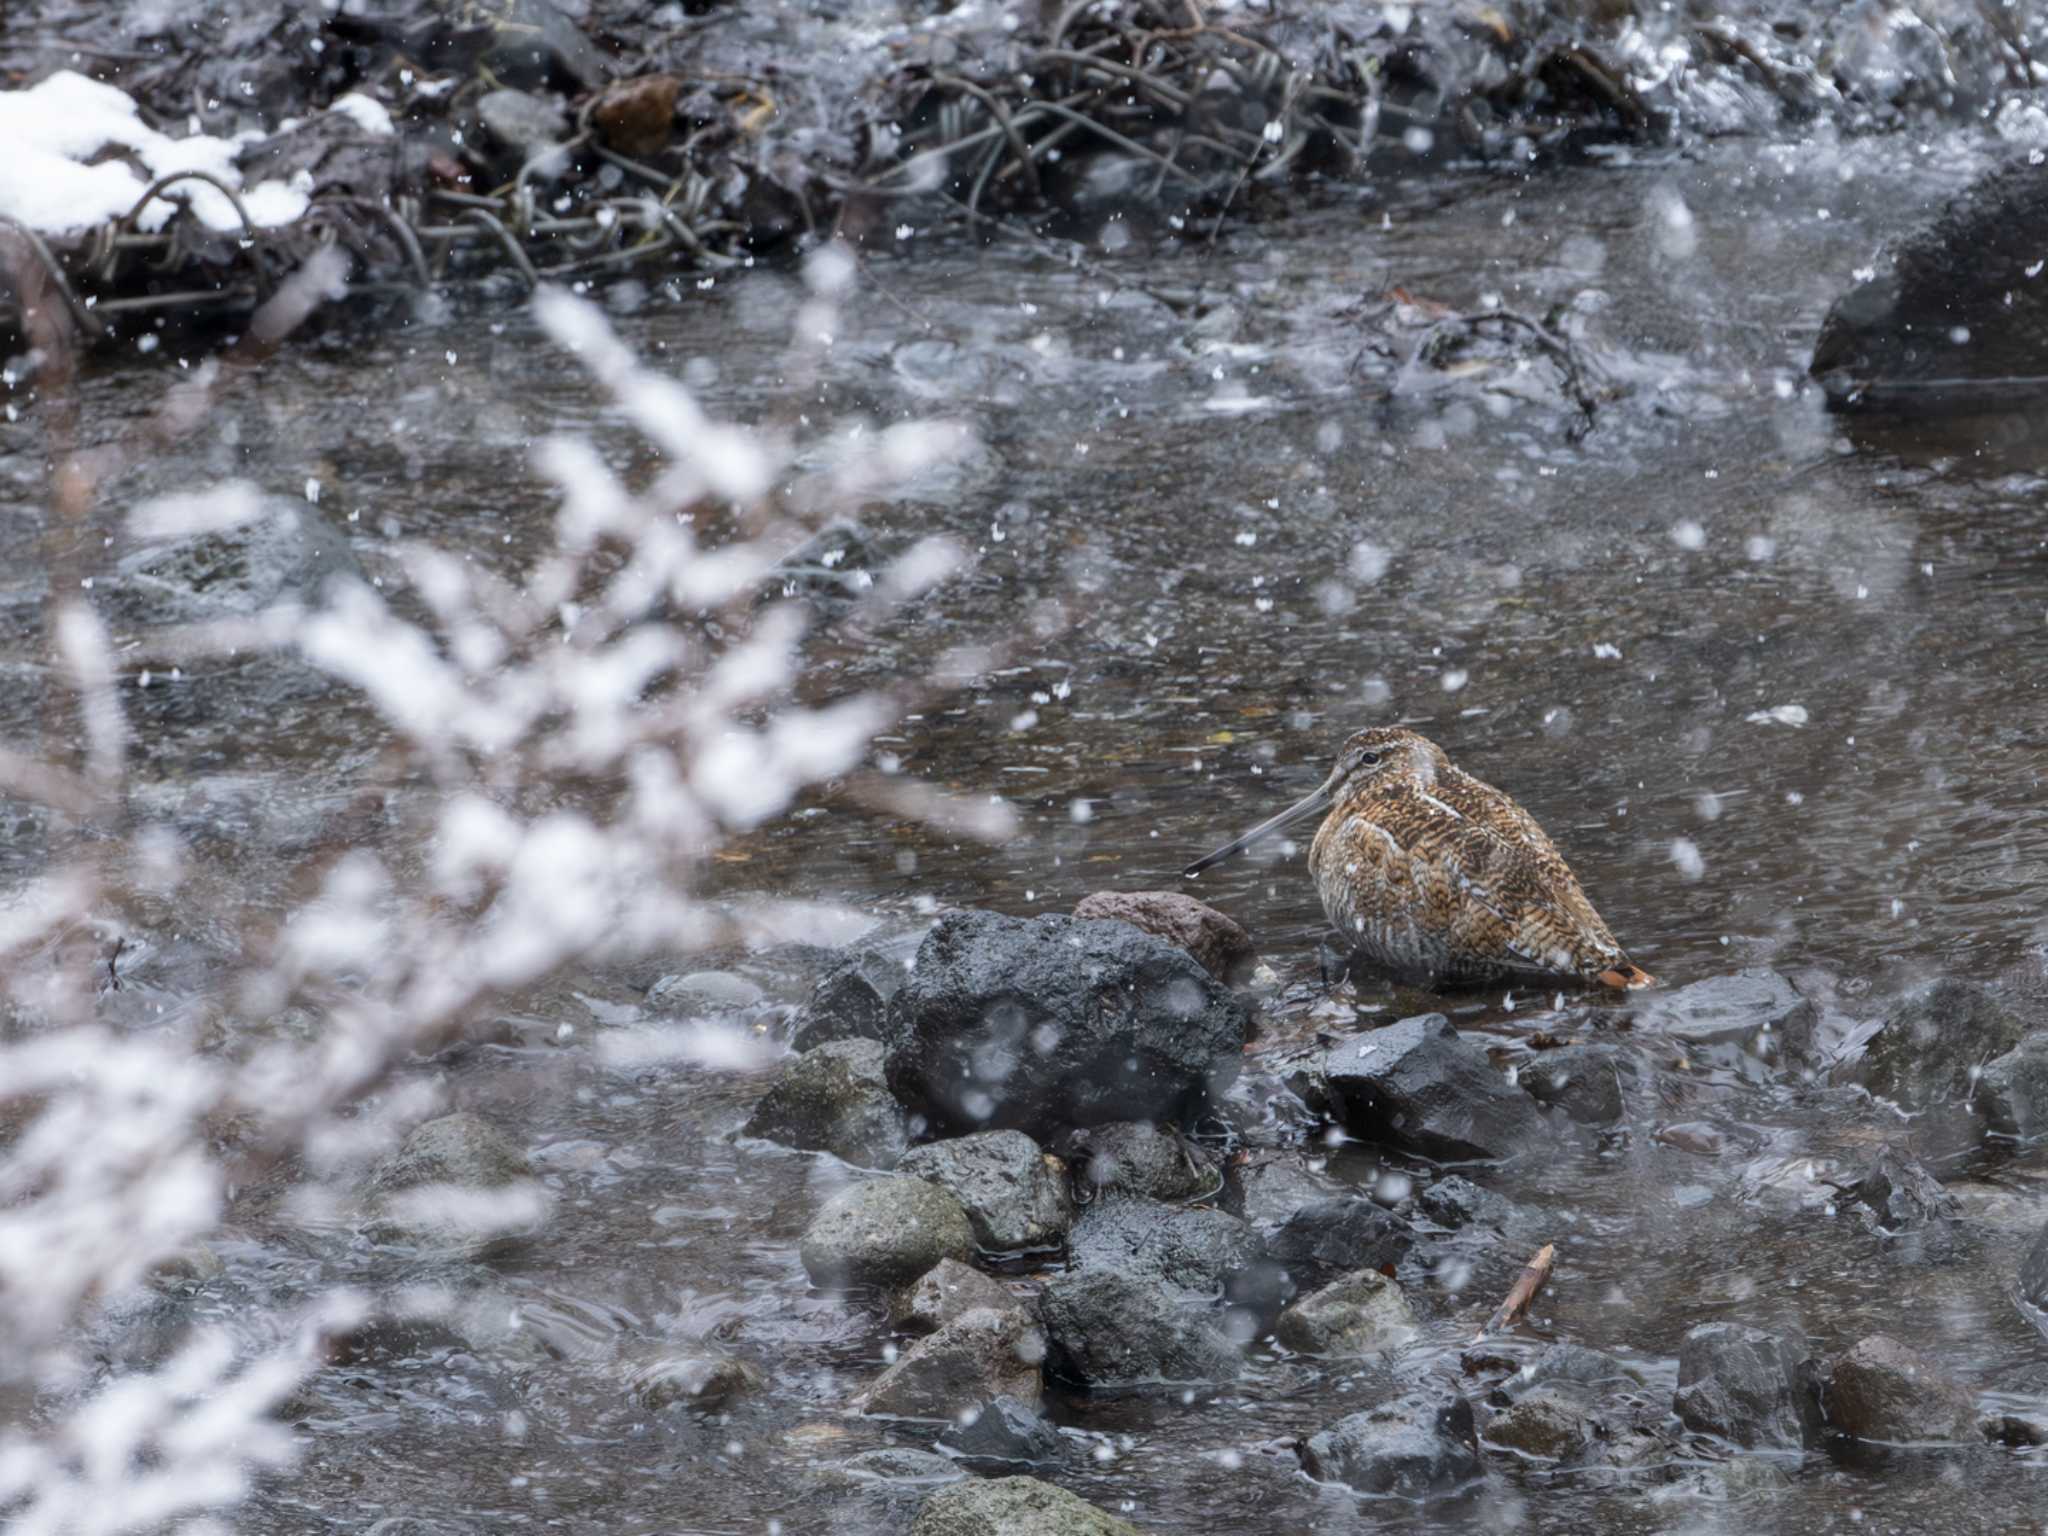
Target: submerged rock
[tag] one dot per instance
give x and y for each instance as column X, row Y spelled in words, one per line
column 1137, row 1158
column 2033, row 1276
column 1584, row 1081
column 701, row 994
column 1044, row 1023
column 1544, row 1423
column 286, row 554
column 1013, row 1506
column 456, row 1184
column 1004, row 1433
column 944, row 1292
column 696, row 1381
column 1218, row 942
column 1014, row 1195
column 1360, row 1314
column 900, row 1464
column 1881, row 1389
column 2012, row 1091
column 1419, row 1086
column 1752, row 1386
column 1419, row 1444
column 1933, row 1042
column 985, row 1352
column 885, row 1232
column 850, row 1001
column 1727, row 1009
column 834, row 1099
column 1901, row 1197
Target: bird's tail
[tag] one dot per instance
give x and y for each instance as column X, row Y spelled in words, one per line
column 1626, row 978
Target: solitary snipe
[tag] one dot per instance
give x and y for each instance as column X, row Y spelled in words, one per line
column 1433, row 876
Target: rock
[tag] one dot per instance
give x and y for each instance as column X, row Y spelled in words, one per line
column 637, row 116
column 2033, row 1276
column 1933, row 1042
column 1954, row 317
column 1136, row 1158
column 900, row 1464
column 696, row 1381
column 1584, row 1081
column 1901, row 1193
column 1416, row 1445
column 1748, row 1385
column 1005, row 1432
column 1268, row 1191
column 456, row 1184
column 534, row 43
column 1217, row 942
column 1014, row 1195
column 1337, row 1235
column 287, row 553
column 1360, row 1314
column 704, row 993
column 1543, row 1423
column 831, row 570
column 1574, row 1365
column 1881, row 1389
column 1039, row 1024
column 981, row 1354
column 1197, row 1249
column 884, row 1232
column 2012, row 1091
column 1418, row 1086
column 522, row 121
column 186, row 1268
column 1107, row 1327
column 1013, row 1506
column 834, row 1099
column 1727, row 1009
column 850, row 1002
column 943, row 1292
column 1456, row 1202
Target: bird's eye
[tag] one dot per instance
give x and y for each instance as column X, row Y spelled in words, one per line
column 1368, row 759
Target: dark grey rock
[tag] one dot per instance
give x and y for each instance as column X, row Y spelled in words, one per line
column 1108, row 1327
column 1543, row 1423
column 1456, row 1202
column 1584, row 1081
column 1727, row 1009
column 522, row 121
column 981, row 1354
column 534, row 43
column 2012, row 1092
column 456, row 1183
column 886, row 1232
column 1417, row 1445
column 1218, row 942
column 1014, row 1195
column 2034, row 1274
column 1197, row 1249
column 704, row 1381
column 1954, row 318
column 1933, row 1042
column 1013, row 1506
column 1004, row 1433
column 1752, row 1386
column 1881, row 1389
column 1137, row 1158
column 851, row 1001
column 834, row 1099
column 1360, row 1314
column 1574, row 1366
column 1268, row 1190
column 1418, row 1086
column 1040, row 1024
column 1339, row 1235
column 943, row 1292
column 1901, row 1197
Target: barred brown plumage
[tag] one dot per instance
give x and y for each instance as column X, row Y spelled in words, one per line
column 1431, row 875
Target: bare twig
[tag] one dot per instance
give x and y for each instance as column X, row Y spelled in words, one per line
column 1521, row 1293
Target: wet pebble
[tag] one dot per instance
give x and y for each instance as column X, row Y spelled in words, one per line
column 1360, row 1314
column 696, row 1381
column 1139, row 1158
column 834, row 1099
column 1343, row 1233
column 2012, row 1091
column 900, row 1464
column 1014, row 1506
column 1584, row 1081
column 885, row 1232
column 1015, row 1196
column 1418, row 1085
column 944, row 1292
column 1881, row 1389
column 1752, row 1386
column 1109, row 1327
column 983, row 1353
column 455, row 1184
column 1218, row 942
column 522, row 121
column 1418, row 1444
column 1543, row 1423
column 850, row 1001
column 1003, row 1433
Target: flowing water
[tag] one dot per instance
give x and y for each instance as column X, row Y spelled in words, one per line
column 1771, row 680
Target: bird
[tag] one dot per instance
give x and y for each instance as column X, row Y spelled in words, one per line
column 1430, row 875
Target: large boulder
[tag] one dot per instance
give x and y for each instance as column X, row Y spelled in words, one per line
column 1419, row 1444
column 1933, row 1043
column 835, row 1099
column 1881, row 1389
column 1957, row 315
column 1420, row 1086
column 983, row 1353
column 1218, row 942
column 1013, row 1506
column 1043, row 1023
column 1752, row 1386
column 883, row 1233
column 1014, row 1195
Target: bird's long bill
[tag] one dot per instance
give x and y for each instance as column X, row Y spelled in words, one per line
column 1314, row 805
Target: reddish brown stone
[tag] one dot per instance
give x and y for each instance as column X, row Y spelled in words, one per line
column 1216, row 941
column 636, row 116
